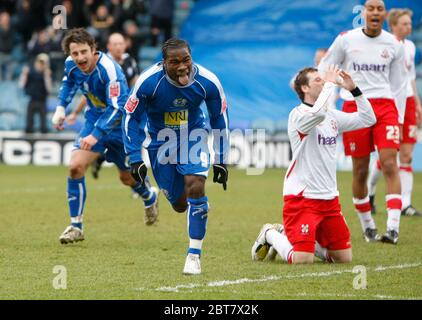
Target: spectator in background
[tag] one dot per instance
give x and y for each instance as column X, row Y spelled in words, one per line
column 7, row 42
column 162, row 12
column 30, row 17
column 130, row 11
column 73, row 17
column 116, row 11
column 37, row 83
column 39, row 43
column 133, row 38
column 56, row 54
column 24, row 20
column 8, row 5
column 101, row 23
column 116, row 47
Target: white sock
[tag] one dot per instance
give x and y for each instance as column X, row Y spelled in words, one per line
column 280, row 243
column 374, row 176
column 394, row 210
column 406, row 180
column 363, row 209
column 195, row 244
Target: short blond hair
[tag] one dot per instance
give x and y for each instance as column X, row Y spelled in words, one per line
column 395, row 14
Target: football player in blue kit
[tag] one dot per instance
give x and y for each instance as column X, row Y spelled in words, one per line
column 104, row 85
column 171, row 92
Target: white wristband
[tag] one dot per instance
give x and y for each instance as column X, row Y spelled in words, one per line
column 59, row 115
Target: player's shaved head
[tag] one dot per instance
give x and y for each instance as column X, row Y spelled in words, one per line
column 375, row 15
column 374, row 3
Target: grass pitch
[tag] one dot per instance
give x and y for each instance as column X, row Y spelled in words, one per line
column 122, row 258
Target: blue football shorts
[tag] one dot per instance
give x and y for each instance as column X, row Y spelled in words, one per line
column 169, row 170
column 111, row 145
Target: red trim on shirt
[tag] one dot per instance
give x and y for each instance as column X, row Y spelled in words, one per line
column 301, row 135
column 291, row 169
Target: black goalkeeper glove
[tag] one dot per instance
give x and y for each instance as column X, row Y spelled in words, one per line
column 138, row 171
column 221, row 175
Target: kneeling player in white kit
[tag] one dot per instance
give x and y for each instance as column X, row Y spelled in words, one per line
column 312, row 211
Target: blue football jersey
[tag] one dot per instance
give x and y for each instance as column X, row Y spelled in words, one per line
column 105, row 89
column 171, row 106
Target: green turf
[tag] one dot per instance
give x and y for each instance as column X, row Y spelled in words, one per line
column 122, row 258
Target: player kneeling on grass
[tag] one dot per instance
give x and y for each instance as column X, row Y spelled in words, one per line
column 312, row 210
column 104, row 86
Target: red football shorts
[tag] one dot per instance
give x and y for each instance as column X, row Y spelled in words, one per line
column 410, row 129
column 384, row 134
column 309, row 220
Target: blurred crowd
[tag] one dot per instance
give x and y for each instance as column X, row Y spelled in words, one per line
column 26, row 28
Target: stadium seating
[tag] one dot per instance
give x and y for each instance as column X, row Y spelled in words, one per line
column 13, row 104
column 256, row 47
column 148, row 55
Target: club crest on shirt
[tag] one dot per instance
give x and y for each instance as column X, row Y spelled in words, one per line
column 114, row 90
column 385, row 54
column 131, row 104
column 180, row 102
column 304, row 229
column 334, row 126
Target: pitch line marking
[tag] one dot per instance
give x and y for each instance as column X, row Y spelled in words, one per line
column 327, row 295
column 222, row 283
